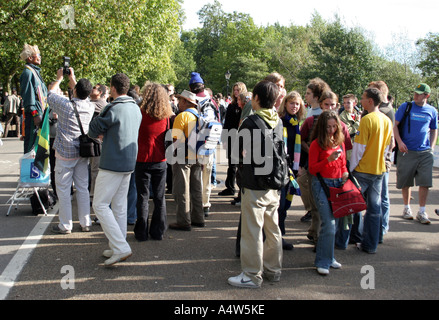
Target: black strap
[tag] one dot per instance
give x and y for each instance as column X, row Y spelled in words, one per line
column 406, row 115
column 103, row 113
column 77, row 117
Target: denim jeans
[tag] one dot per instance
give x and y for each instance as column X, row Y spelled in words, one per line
column 132, row 200
column 325, row 244
column 150, row 174
column 385, row 206
column 353, row 235
column 371, row 186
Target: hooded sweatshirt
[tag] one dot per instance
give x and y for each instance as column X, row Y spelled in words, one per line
column 252, row 147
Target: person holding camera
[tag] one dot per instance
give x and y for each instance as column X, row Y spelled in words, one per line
column 70, row 167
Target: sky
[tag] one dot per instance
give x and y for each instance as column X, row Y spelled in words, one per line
column 383, row 20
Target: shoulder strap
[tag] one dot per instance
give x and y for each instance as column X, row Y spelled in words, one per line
column 77, row 116
column 408, row 108
column 195, row 113
column 324, row 185
column 108, row 107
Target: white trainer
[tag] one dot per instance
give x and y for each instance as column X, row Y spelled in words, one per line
column 422, row 217
column 242, row 281
column 407, row 214
column 115, row 258
column 323, row 271
column 107, row 253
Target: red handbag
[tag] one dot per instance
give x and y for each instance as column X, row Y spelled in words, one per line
column 346, row 199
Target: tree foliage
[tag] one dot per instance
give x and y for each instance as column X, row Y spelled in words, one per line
column 143, row 38
column 429, row 63
column 101, row 37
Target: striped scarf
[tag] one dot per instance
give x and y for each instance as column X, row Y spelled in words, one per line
column 292, row 139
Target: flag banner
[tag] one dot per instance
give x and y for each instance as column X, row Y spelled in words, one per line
column 43, row 147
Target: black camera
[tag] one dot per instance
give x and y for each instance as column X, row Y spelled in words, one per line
column 66, row 66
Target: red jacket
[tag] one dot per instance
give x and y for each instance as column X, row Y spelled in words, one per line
column 151, row 139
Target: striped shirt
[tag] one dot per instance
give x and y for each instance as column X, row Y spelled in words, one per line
column 66, row 141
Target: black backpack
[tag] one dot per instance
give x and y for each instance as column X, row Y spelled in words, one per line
column 47, row 199
column 279, row 176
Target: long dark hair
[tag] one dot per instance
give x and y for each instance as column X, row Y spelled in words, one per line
column 320, row 132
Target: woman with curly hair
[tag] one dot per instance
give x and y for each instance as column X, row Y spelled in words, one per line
column 151, row 161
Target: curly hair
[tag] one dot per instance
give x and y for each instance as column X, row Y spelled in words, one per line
column 155, row 101
column 293, row 96
column 320, row 131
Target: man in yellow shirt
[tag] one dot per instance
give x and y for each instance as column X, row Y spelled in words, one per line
column 187, row 183
column 368, row 164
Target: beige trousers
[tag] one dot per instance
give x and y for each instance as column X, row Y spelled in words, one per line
column 259, row 212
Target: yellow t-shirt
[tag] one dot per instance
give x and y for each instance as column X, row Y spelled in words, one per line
column 374, row 135
column 184, row 123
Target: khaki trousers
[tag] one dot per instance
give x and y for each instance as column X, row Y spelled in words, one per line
column 187, row 189
column 258, row 257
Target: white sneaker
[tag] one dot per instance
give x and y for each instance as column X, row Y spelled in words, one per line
column 323, row 271
column 335, row 265
column 242, row 281
column 407, row 214
column 115, row 258
column 107, row 253
column 422, row 217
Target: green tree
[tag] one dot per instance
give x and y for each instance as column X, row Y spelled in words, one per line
column 342, row 57
column 101, row 37
column 429, row 63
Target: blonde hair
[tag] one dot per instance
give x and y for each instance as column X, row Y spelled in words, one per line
column 28, row 51
column 242, row 88
column 293, row 95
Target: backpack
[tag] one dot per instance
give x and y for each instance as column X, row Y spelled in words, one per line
column 47, row 199
column 279, row 176
column 206, row 136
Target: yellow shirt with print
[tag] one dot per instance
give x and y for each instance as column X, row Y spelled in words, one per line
column 184, row 123
column 375, row 134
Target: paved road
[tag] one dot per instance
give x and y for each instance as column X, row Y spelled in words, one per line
column 195, row 265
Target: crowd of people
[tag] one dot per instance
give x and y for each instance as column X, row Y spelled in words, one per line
column 322, row 135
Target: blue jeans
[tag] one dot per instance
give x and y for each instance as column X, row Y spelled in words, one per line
column 385, row 206
column 353, row 235
column 326, row 241
column 371, row 186
column 132, row 200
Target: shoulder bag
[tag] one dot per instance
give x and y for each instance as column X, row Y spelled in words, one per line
column 88, row 147
column 346, row 199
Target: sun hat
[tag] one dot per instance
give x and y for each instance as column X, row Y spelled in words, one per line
column 189, row 96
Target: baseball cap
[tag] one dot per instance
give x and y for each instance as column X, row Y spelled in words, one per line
column 422, row 88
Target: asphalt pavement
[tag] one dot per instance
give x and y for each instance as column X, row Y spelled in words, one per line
column 194, row 266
